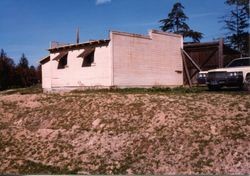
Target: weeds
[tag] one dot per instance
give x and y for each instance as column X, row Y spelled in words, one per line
column 37, row 89
column 154, row 90
column 141, row 131
column 31, row 167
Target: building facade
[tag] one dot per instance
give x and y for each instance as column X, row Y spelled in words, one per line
column 125, row 60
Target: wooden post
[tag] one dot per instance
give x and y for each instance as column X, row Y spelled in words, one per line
column 192, row 61
column 186, row 69
column 221, row 57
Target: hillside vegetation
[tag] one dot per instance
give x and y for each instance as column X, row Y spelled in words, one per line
column 124, row 132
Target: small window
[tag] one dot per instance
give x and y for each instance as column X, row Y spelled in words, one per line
column 88, row 59
column 63, row 62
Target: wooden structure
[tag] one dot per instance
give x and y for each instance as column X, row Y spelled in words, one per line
column 205, row 56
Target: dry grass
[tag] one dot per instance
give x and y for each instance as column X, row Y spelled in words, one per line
column 135, row 131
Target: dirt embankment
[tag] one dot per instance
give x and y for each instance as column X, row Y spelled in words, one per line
column 107, row 133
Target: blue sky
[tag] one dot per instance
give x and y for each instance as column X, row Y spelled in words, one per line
column 28, row 26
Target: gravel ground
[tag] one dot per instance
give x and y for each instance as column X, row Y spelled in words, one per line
column 125, row 133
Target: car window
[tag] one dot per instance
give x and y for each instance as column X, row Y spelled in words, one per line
column 239, row 63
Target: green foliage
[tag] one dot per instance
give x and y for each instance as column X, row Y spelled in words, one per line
column 154, row 90
column 26, row 76
column 7, row 72
column 237, row 25
column 239, row 2
column 160, row 90
column 12, row 76
column 23, row 63
column 36, row 89
column 176, row 23
column 31, row 167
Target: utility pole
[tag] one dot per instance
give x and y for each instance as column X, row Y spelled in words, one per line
column 77, row 36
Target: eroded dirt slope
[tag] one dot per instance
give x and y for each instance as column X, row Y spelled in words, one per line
column 112, row 133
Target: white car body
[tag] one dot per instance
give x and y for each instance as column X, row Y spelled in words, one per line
column 243, row 70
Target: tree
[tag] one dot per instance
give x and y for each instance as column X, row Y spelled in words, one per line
column 176, row 23
column 23, row 62
column 22, row 70
column 2, row 54
column 17, row 76
column 237, row 25
column 33, row 79
column 39, row 73
column 7, row 71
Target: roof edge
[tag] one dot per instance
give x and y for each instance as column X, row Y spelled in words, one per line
column 71, row 46
column 165, row 33
column 149, row 36
column 130, row 34
column 201, row 44
column 44, row 59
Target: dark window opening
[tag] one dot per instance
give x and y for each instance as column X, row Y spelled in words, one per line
column 63, row 62
column 88, row 59
column 240, row 63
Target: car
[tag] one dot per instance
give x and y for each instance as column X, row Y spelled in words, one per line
column 235, row 74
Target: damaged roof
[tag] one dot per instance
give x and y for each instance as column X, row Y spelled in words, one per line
column 79, row 45
column 44, row 60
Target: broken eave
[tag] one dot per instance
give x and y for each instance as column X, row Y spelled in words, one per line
column 60, row 55
column 44, row 60
column 86, row 52
column 79, row 46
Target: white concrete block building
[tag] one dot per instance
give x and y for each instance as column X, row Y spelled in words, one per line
column 125, row 60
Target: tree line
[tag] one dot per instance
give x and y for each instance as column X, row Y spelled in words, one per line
column 235, row 24
column 17, row 75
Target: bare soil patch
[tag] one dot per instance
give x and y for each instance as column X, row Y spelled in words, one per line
column 125, row 133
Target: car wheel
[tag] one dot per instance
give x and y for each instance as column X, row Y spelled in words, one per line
column 247, row 82
column 241, row 87
column 213, row 88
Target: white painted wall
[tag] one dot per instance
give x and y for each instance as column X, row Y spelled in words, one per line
column 128, row 61
column 146, row 61
column 46, row 76
column 74, row 75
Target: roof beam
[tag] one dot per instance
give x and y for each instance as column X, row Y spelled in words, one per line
column 192, row 61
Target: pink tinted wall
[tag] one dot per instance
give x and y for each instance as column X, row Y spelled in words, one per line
column 75, row 76
column 46, row 76
column 129, row 60
column 146, row 61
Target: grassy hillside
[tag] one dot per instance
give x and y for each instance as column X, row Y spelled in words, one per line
column 133, row 131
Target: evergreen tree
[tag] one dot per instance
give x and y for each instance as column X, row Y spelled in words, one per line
column 2, row 71
column 39, row 73
column 2, row 54
column 17, row 76
column 23, row 72
column 7, row 71
column 176, row 23
column 237, row 25
column 33, row 79
column 23, row 62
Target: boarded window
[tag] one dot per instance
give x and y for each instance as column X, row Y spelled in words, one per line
column 88, row 59
column 63, row 62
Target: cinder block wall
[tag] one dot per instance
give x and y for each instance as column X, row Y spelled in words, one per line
column 46, row 76
column 146, row 61
column 129, row 60
column 75, row 76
